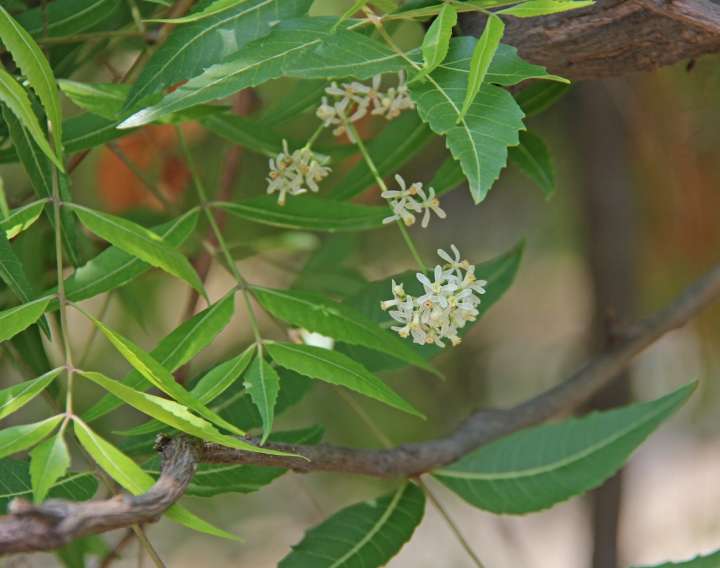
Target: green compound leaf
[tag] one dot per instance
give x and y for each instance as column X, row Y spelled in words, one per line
column 190, row 49
column 208, row 388
column 133, row 479
column 140, row 242
column 533, row 158
column 15, row 482
column 263, row 384
column 174, row 350
column 40, row 171
column 707, row 561
column 171, row 413
column 337, row 369
column 113, row 267
column 15, row 397
column 32, row 62
column 316, row 313
column 160, row 377
column 18, row 438
column 48, row 462
column 308, row 212
column 305, row 47
column 18, row 102
column 536, row 468
column 367, row 534
column 19, row 318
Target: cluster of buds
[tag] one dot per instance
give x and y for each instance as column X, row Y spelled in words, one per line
column 447, row 304
column 296, row 173
column 352, row 101
column 408, row 201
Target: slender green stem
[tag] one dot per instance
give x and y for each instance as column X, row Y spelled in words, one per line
column 453, row 526
column 383, row 187
column 217, row 233
column 314, row 137
column 143, row 539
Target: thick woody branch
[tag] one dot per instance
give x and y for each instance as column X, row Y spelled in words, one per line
column 485, row 426
column 613, row 37
column 56, row 522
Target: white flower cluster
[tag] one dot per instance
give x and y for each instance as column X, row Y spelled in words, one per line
column 407, row 201
column 353, row 101
column 448, row 302
column 296, row 173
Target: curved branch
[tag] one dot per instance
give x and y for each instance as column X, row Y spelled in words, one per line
column 613, row 37
column 485, row 426
column 56, row 522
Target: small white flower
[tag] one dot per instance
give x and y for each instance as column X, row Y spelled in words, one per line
column 296, row 173
column 408, row 201
column 353, row 101
column 449, row 301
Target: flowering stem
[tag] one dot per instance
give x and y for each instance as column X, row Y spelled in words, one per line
column 311, row 140
column 355, row 137
column 217, row 233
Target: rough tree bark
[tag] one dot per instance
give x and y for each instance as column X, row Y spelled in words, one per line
column 613, row 37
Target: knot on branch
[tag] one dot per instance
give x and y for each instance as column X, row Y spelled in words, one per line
column 49, row 525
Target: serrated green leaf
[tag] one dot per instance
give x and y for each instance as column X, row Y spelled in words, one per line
column 190, row 49
column 113, row 267
column 30, row 59
column 367, row 534
column 499, row 272
column 174, row 350
column 262, row 384
column 483, row 54
column 307, row 212
column 15, row 482
column 208, row 388
column 16, row 319
column 39, row 170
column 17, row 101
column 15, row 397
column 49, row 461
column 12, row 271
column 140, row 242
column 436, row 42
column 160, row 377
column 133, row 479
column 536, row 468
column 305, row 47
column 337, row 369
column 398, row 142
column 102, row 99
column 171, row 413
column 481, row 138
column 18, row 438
column 316, row 313
column 533, row 158
column 707, row 561
column 67, row 17
column 21, row 218
column 533, row 8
